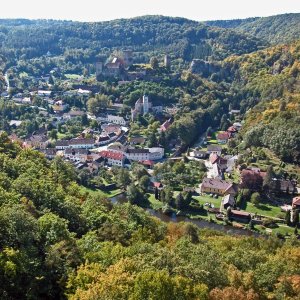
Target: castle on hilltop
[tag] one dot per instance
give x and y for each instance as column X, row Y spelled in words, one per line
column 116, row 66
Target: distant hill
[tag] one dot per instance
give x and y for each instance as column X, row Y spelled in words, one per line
column 177, row 36
column 274, row 29
column 234, row 23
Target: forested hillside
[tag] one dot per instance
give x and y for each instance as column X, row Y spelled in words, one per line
column 274, row 30
column 180, row 37
column 57, row 242
column 271, row 78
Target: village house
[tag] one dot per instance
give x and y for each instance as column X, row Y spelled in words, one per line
column 227, row 201
column 240, row 216
column 44, row 93
column 76, row 154
column 62, row 144
column 136, row 140
column 49, row 153
column 148, row 163
column 155, row 153
column 232, row 131
column 223, row 137
column 199, row 154
column 102, row 140
column 94, row 166
column 80, row 143
column 112, row 119
column 296, row 202
column 137, row 154
column 73, row 114
column 231, row 161
column 113, row 158
column 116, row 147
column 60, row 106
column 111, row 128
column 112, row 136
column 252, row 179
column 84, row 93
column 214, row 149
column 165, row 126
column 284, row 186
column 217, row 186
column 38, row 141
column 155, row 185
column 22, row 100
column 234, row 112
column 237, row 126
column 221, row 162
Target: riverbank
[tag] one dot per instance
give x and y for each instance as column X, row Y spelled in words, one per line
column 201, row 223
column 202, row 220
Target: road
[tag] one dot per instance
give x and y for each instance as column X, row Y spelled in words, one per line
column 197, row 144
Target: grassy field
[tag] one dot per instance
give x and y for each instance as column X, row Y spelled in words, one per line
column 212, row 142
column 154, row 203
column 100, row 193
column 263, row 210
column 207, row 199
column 61, row 136
column 282, row 229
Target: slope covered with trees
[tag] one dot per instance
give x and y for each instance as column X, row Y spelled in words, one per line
column 177, row 36
column 270, row 78
column 57, row 242
column 274, row 29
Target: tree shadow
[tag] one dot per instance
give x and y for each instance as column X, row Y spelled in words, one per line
column 263, row 207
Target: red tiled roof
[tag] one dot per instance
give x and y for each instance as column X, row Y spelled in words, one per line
column 296, row 201
column 253, row 172
column 165, row 126
column 213, row 158
column 112, row 155
column 232, row 129
column 157, row 184
column 148, row 162
column 223, row 136
column 240, row 213
column 216, row 183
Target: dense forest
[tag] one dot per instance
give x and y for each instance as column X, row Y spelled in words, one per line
column 273, row 30
column 271, row 78
column 58, row 242
column 180, row 37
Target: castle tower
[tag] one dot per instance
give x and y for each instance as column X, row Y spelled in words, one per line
column 145, row 104
column 127, row 54
column 99, row 68
column 167, row 61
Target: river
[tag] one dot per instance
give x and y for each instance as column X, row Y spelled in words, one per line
column 200, row 223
